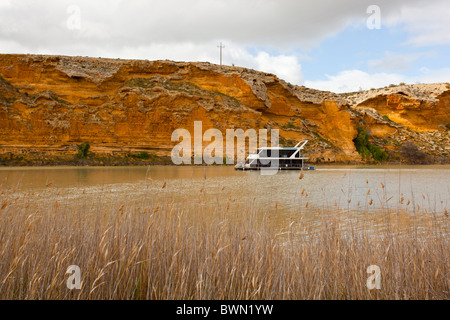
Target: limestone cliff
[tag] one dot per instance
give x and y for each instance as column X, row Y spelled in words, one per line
column 50, row 104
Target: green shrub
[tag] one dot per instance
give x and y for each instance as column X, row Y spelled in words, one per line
column 141, row 155
column 83, row 150
column 366, row 149
column 289, row 125
column 378, row 154
column 144, row 155
column 361, row 141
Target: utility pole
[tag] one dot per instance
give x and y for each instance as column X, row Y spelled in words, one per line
column 221, row 47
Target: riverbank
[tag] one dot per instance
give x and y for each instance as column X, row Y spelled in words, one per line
column 143, row 158
column 18, row 161
column 126, row 160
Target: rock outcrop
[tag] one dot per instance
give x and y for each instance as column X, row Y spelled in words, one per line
column 50, row 104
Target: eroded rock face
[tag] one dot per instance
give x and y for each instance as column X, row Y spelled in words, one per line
column 50, row 104
column 421, row 107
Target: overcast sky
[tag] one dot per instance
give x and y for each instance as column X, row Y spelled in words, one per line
column 336, row 45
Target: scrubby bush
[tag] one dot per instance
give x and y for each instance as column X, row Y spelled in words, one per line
column 367, row 149
column 361, row 142
column 378, row 154
column 411, row 153
column 143, row 155
column 386, row 118
column 83, row 150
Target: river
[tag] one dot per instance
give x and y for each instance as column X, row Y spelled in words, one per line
column 360, row 190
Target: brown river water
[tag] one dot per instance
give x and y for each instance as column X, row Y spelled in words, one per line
column 359, row 190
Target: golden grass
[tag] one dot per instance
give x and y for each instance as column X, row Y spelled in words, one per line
column 157, row 250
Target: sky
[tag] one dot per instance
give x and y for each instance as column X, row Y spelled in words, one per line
column 334, row 45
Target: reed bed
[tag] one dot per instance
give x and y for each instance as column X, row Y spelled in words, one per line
column 156, row 249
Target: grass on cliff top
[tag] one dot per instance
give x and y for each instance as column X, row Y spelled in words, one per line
column 153, row 249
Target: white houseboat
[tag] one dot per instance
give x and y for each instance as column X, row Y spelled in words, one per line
column 277, row 158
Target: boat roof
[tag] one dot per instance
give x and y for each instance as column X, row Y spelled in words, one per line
column 267, row 158
column 299, row 146
column 278, row 148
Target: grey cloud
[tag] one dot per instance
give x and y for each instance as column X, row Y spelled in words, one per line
column 117, row 24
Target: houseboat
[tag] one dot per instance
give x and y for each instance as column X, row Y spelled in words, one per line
column 266, row 158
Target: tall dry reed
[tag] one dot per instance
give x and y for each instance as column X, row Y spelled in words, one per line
column 155, row 249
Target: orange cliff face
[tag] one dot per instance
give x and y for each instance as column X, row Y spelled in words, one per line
column 421, row 107
column 50, row 104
